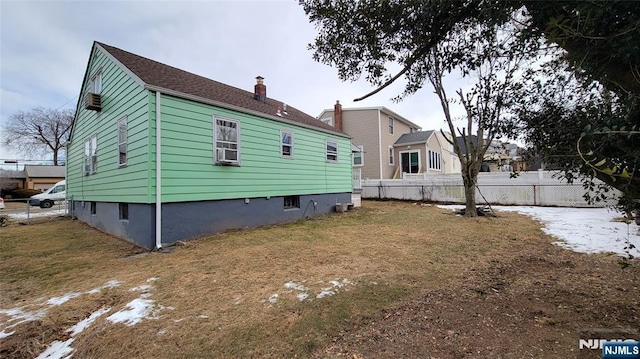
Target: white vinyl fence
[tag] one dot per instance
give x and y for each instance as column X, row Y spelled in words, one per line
column 538, row 188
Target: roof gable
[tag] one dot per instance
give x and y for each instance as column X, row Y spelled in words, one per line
column 414, row 137
column 158, row 75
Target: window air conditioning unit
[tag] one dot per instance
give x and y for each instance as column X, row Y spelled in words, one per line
column 93, row 101
column 226, row 155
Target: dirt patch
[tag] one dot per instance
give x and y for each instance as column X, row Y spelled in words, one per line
column 537, row 304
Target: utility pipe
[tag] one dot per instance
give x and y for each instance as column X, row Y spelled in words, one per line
column 158, row 176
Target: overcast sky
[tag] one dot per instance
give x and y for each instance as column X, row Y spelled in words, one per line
column 45, row 48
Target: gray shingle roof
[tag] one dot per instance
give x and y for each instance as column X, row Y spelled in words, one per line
column 44, row 171
column 414, row 137
column 164, row 76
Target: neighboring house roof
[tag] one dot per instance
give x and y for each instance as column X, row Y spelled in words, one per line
column 35, row 171
column 414, row 137
column 379, row 108
column 158, row 76
column 463, row 145
column 12, row 174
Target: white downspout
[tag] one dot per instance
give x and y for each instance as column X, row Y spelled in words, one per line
column 382, row 150
column 158, row 175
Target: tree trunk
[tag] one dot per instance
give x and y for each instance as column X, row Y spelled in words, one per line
column 470, row 197
column 55, row 157
column 470, row 179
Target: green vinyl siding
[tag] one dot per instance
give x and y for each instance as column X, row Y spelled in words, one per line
column 121, row 97
column 189, row 172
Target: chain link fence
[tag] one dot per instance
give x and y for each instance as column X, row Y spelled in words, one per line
column 20, row 210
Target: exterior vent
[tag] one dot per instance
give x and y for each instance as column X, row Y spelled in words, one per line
column 226, row 156
column 93, row 102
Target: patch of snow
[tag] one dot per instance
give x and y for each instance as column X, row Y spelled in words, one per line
column 133, row 313
column 4, row 334
column 585, row 230
column 203, row 316
column 83, row 324
column 23, row 215
column 58, row 350
column 55, row 301
column 273, row 298
column 18, row 316
column 296, row 286
column 302, row 296
column 142, row 288
column 325, row 293
column 109, row 284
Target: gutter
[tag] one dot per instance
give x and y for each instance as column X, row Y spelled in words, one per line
column 158, row 175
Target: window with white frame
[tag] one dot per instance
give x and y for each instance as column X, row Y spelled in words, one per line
column 227, row 141
column 90, row 155
column 96, row 83
column 328, row 121
column 122, row 142
column 286, row 143
column 358, row 157
column 390, row 125
column 332, row 151
column 391, row 156
column 435, row 160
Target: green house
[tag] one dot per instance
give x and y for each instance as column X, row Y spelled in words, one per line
column 158, row 154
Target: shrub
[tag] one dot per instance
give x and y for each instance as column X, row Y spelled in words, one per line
column 24, row 193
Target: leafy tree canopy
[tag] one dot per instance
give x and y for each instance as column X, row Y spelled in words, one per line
column 599, row 48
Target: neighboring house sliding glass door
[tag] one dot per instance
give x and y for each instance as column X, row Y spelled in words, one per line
column 410, row 161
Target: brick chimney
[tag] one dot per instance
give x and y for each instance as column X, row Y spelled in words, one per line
column 260, row 90
column 337, row 116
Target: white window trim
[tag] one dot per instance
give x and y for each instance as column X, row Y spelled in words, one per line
column 328, row 120
column 434, row 161
column 409, row 152
column 90, row 159
column 392, row 159
column 361, row 147
column 96, row 86
column 121, row 143
column 391, row 125
column 282, row 144
column 327, row 153
column 215, row 140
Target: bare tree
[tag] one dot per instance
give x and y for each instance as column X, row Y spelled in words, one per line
column 494, row 74
column 38, row 131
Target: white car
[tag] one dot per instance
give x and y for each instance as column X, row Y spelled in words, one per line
column 1, row 203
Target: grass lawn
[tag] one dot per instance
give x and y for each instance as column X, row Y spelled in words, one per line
column 386, row 280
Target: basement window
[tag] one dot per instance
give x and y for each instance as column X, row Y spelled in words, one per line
column 123, row 210
column 291, row 202
column 93, row 208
